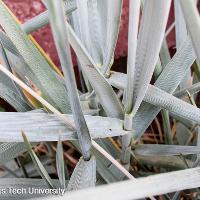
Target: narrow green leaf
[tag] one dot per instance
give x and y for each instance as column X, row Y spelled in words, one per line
column 60, row 33
column 165, row 150
column 134, row 13
column 42, row 19
column 37, row 162
column 180, row 30
column 79, row 22
column 164, row 53
column 181, row 35
column 60, row 164
column 148, row 47
column 176, row 106
column 192, row 21
column 7, row 44
column 12, row 97
column 164, row 58
column 166, row 127
column 97, row 26
column 113, row 15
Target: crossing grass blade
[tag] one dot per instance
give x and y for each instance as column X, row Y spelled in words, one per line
column 113, row 17
column 61, row 39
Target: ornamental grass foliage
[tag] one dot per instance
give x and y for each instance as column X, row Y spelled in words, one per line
column 121, row 136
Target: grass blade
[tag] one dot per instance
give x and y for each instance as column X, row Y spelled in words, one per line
column 176, row 106
column 165, row 183
column 149, row 44
column 42, row 19
column 181, row 31
column 164, row 53
column 61, row 39
column 47, row 127
column 37, row 162
column 165, row 150
column 192, row 21
column 60, row 164
column 97, row 25
column 134, row 13
column 181, row 35
column 81, row 25
column 112, row 30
